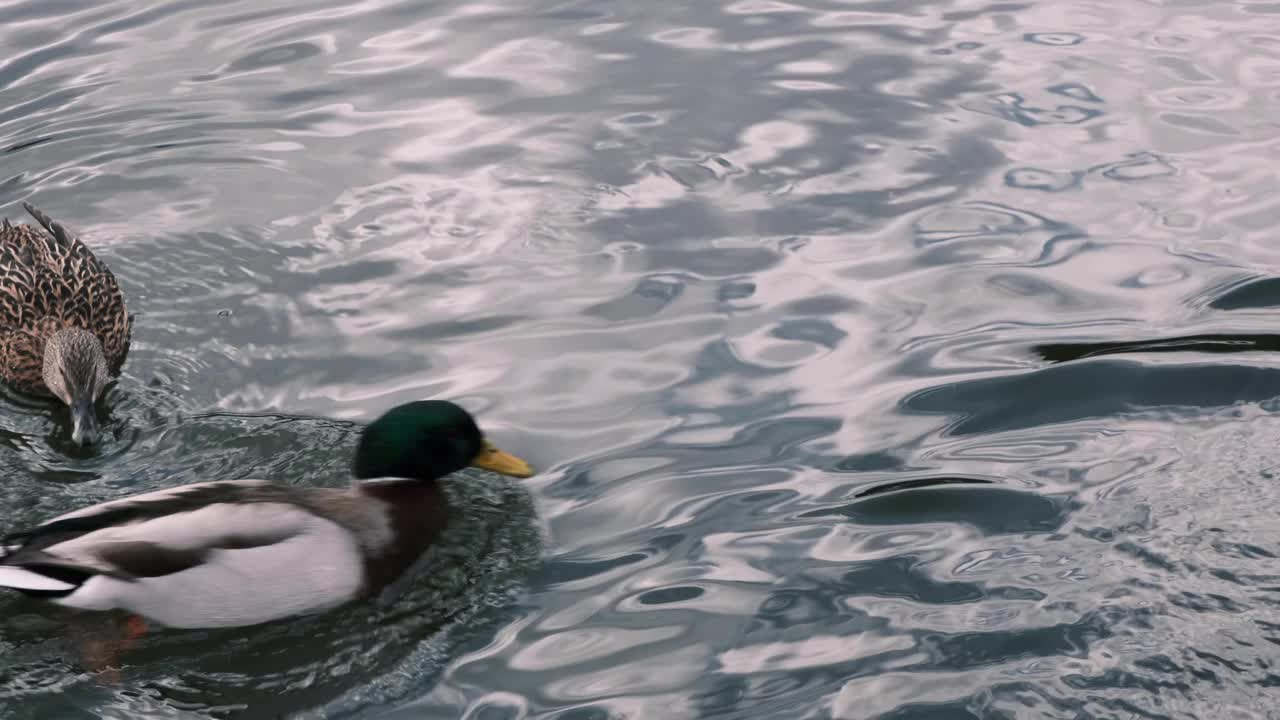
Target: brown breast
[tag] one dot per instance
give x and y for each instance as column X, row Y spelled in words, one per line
column 418, row 512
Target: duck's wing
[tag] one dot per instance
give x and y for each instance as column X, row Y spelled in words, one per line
column 21, row 273
column 219, row 554
column 70, row 283
column 150, row 535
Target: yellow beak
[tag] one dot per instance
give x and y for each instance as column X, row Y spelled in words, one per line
column 491, row 458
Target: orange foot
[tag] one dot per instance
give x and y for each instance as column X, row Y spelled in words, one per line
column 134, row 627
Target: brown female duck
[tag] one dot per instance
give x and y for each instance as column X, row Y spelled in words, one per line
column 64, row 330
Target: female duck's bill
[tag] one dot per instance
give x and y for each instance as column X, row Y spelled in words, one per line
column 84, row 423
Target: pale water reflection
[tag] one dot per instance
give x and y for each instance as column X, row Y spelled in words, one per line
column 834, row 327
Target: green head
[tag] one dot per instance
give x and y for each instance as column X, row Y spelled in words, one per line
column 426, row 440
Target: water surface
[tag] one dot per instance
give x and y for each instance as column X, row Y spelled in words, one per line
column 832, row 324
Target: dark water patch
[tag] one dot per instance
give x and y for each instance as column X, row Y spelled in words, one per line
column 867, row 462
column 1100, row 388
column 567, row 571
column 1254, row 293
column 19, row 147
column 812, row 330
column 443, row 330
column 666, row 596
column 995, row 511
column 959, row 710
column 275, row 55
column 1210, row 343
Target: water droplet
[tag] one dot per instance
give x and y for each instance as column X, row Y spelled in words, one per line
column 1060, row 38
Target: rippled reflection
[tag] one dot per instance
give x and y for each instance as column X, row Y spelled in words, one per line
column 885, row 359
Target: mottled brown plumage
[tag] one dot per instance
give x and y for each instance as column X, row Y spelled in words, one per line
column 52, row 285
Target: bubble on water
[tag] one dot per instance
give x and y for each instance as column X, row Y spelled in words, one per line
column 1054, row 38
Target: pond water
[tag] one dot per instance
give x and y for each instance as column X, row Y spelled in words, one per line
column 882, row 359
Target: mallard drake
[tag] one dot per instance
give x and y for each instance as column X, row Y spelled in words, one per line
column 241, row 552
column 64, row 330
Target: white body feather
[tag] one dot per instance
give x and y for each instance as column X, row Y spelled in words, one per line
column 19, row 579
column 316, row 566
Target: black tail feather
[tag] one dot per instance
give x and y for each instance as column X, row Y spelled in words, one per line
column 54, row 227
column 57, row 571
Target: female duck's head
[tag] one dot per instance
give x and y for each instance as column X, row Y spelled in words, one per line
column 75, row 371
column 429, row 439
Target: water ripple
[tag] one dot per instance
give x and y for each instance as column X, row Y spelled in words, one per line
column 802, row 307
